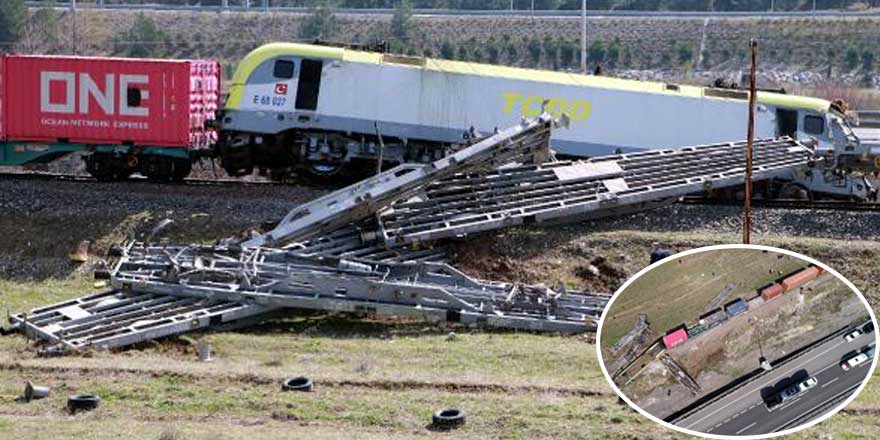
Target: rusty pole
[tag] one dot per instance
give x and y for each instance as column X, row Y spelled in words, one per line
column 73, row 28
column 747, row 199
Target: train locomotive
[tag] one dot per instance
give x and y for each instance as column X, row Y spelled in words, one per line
column 336, row 112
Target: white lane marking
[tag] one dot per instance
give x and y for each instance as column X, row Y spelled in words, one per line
column 842, row 393
column 830, row 382
column 786, row 374
column 747, row 427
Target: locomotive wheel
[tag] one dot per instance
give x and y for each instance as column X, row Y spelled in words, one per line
column 108, row 167
column 237, row 162
column 182, row 168
column 165, row 169
column 794, row 191
column 325, row 173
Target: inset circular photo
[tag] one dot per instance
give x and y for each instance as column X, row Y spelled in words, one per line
column 737, row 341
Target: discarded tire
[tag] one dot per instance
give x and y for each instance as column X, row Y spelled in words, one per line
column 82, row 402
column 303, row 384
column 448, row 418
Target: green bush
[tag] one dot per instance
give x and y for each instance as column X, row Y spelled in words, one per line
column 144, row 39
column 852, row 58
column 321, row 23
column 868, row 61
column 596, row 52
column 13, row 15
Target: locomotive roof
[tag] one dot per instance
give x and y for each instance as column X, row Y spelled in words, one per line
column 272, row 50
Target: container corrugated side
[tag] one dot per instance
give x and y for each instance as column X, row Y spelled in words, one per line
column 204, row 101
column 800, row 278
column 675, row 338
column 772, row 292
column 2, row 97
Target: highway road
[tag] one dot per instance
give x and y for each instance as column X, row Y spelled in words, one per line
column 256, row 7
column 743, row 411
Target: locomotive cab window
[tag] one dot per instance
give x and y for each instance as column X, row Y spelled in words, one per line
column 309, row 85
column 283, row 69
column 814, row 124
column 133, row 97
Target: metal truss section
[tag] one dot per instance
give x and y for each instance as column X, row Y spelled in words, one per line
column 114, row 319
column 353, row 242
column 527, row 142
column 283, row 279
column 575, row 190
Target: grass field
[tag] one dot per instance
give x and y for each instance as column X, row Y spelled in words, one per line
column 374, row 379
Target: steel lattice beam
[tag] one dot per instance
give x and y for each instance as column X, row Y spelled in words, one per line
column 527, row 141
column 573, row 191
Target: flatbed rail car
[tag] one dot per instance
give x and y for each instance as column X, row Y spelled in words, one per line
column 328, row 109
column 146, row 116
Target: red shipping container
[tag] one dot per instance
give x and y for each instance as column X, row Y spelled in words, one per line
column 110, row 101
column 801, row 277
column 2, row 93
column 772, row 292
column 675, row 338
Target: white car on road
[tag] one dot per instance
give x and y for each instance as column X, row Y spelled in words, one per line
column 794, row 390
column 851, row 336
column 854, row 361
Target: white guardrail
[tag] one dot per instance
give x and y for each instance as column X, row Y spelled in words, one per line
column 869, row 118
column 260, row 5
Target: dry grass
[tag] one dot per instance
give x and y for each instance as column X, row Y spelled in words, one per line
column 375, row 378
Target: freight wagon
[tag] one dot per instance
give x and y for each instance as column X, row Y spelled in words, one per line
column 736, row 308
column 147, row 116
column 331, row 109
column 772, row 291
column 800, row 278
column 714, row 319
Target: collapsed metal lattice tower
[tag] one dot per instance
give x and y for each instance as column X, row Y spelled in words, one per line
column 525, row 142
column 553, row 192
column 376, row 246
column 160, row 291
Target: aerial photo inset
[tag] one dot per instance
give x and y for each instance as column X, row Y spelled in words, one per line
column 737, row 341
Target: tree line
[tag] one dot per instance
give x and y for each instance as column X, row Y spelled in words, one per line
column 42, row 30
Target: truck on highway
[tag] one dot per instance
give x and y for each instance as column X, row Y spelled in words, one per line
column 791, row 392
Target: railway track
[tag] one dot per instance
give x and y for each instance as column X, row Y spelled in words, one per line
column 65, row 177
column 832, row 205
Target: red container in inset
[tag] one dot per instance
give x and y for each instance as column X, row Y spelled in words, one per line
column 801, row 277
column 772, row 292
column 114, row 101
column 674, row 338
